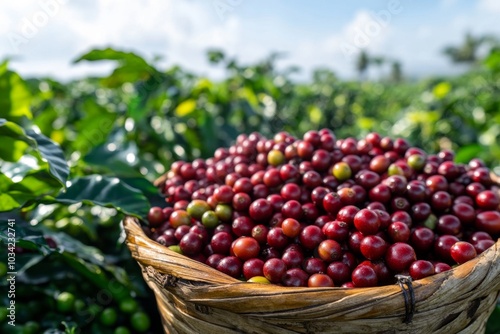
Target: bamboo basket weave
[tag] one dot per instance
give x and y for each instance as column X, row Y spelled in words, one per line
column 195, row 298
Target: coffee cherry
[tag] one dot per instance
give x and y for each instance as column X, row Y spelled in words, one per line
column 295, row 277
column 156, row 216
column 224, row 212
column 276, row 238
column 259, row 233
column 488, row 221
column 224, row 194
column 291, row 227
column 311, row 236
column 197, row 208
column 416, row 161
column 253, row 268
column 436, row 183
column 441, row 267
column 231, row 266
column 441, row 201
column 481, row 175
column 483, row 245
column 448, row 224
column 339, row 272
column 289, row 172
column 245, row 248
column 422, row 239
column 396, row 183
column 373, row 247
column 449, row 170
column 191, row 243
column 464, row 212
column 336, row 230
column 320, row 160
column 178, row 218
column 275, row 157
column 329, row 250
column 260, row 210
column 276, row 202
column 347, row 213
column 319, row 280
column 442, row 247
column 342, row 171
column 379, row 164
column 399, row 232
column 292, row 209
column 364, row 276
column 462, row 252
column 221, row 243
column 293, row 258
column 367, row 221
column 274, row 270
column 241, row 201
column 420, row 269
column 312, row 179
column 400, row 256
column 420, row 211
column 332, row 203
column 209, row 219
column 487, row 200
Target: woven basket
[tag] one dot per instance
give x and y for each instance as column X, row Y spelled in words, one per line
column 195, row 298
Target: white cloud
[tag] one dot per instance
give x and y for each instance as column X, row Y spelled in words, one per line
column 179, row 30
column 182, row 31
column 490, row 5
column 339, row 50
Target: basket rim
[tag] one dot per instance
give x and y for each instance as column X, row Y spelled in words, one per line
column 134, row 232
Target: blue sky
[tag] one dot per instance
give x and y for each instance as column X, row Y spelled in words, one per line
column 44, row 36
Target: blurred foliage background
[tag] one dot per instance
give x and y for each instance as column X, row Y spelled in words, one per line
column 75, row 157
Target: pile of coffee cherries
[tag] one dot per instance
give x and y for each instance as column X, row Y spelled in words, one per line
column 321, row 211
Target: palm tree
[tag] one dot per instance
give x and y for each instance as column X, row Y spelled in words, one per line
column 362, row 63
column 396, row 72
column 467, row 52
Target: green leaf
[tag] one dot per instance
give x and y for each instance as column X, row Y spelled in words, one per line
column 111, row 54
column 48, row 153
column 88, row 261
column 11, row 199
column 53, row 155
column 14, row 141
column 131, row 67
column 15, row 98
column 45, row 119
column 466, row 153
column 36, row 183
column 8, row 202
column 94, row 128
column 26, row 236
column 33, row 260
column 105, row 191
column 135, row 108
column 493, row 324
column 128, row 73
column 18, row 170
column 492, row 61
column 117, row 160
column 142, row 184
